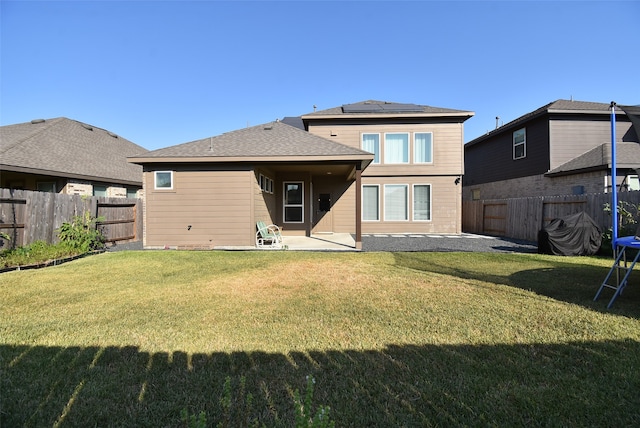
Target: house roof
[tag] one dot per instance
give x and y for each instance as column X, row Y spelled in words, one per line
column 558, row 106
column 270, row 142
column 378, row 109
column 599, row 158
column 68, row 148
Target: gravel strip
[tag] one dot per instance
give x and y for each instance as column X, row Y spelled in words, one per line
column 446, row 243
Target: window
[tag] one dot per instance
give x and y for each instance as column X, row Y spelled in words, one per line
column 519, row 144
column 422, row 147
column 422, row 202
column 396, row 202
column 132, row 193
column 396, row 148
column 99, row 190
column 475, row 194
column 266, row 184
column 371, row 202
column 46, row 186
column 164, row 180
column 371, row 144
column 293, row 202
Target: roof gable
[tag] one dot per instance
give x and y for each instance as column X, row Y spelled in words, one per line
column 67, row 147
column 262, row 142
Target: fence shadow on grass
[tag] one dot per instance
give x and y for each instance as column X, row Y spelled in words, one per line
column 573, row 384
column 567, row 282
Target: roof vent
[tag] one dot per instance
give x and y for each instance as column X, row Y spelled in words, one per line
column 268, row 127
column 34, row 121
column 112, row 134
column 85, row 126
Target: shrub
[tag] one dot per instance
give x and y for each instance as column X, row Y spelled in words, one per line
column 82, row 233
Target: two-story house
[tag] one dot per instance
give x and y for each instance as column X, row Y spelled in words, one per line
column 369, row 167
column 562, row 148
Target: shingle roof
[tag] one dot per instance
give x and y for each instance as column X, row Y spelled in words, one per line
column 627, row 153
column 385, row 108
column 65, row 147
column 268, row 141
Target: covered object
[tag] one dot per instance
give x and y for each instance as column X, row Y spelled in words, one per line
column 574, row 235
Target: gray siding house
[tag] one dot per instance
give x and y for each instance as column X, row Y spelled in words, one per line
column 562, row 148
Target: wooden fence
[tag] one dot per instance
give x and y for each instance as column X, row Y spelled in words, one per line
column 27, row 216
column 522, row 218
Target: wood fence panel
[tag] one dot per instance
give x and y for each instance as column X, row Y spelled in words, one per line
column 28, row 216
column 12, row 217
column 494, row 218
column 524, row 217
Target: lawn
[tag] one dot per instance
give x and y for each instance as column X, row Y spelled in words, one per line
column 390, row 339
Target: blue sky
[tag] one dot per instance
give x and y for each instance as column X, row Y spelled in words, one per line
column 161, row 73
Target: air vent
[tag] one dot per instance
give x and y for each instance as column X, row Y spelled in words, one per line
column 85, row 126
column 112, row 134
column 34, row 121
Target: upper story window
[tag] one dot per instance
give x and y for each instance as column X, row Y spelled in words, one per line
column 396, row 148
column 371, row 144
column 423, row 147
column 519, row 144
column 163, row 180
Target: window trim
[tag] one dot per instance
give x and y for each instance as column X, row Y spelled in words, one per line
column 523, row 143
column 415, row 160
column 377, row 205
column 413, row 201
column 285, row 205
column 155, row 180
column 408, row 148
column 406, row 187
column 378, row 155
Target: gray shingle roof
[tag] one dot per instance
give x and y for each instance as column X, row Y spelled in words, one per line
column 261, row 142
column 385, row 108
column 598, row 158
column 65, row 147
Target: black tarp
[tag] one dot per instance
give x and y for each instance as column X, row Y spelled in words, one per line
column 574, row 235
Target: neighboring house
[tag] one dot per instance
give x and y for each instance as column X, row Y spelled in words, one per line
column 66, row 156
column 368, row 167
column 562, row 148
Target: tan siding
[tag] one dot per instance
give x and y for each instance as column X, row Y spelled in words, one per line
column 572, row 138
column 446, row 213
column 447, row 146
column 216, row 204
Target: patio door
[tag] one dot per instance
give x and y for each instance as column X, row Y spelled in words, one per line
column 323, row 215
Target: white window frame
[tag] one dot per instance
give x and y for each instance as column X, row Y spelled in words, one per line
column 285, row 205
column 377, row 186
column 415, row 151
column 385, row 150
column 406, row 208
column 522, row 143
column 376, row 158
column 155, row 180
column 413, row 200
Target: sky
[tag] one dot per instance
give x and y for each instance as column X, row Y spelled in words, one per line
column 161, row 73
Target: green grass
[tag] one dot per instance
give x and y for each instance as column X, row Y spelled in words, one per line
column 392, row 339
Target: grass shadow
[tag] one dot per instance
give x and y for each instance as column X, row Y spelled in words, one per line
column 571, row 282
column 571, row 384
